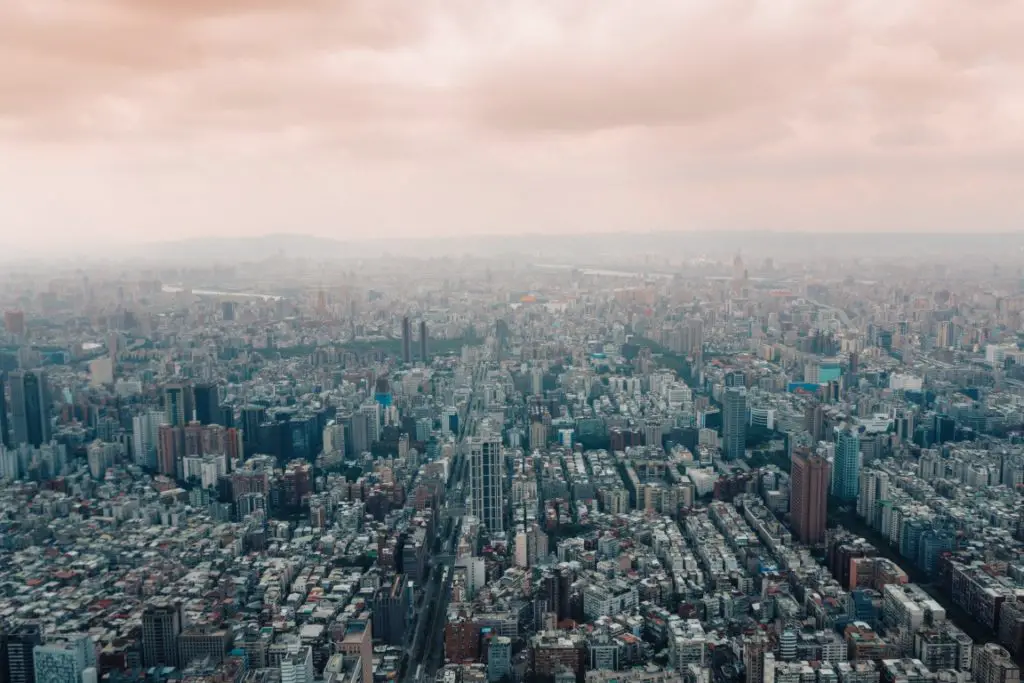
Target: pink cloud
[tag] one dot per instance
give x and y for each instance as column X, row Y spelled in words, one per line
column 710, row 112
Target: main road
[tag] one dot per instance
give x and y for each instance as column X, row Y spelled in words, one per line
column 425, row 643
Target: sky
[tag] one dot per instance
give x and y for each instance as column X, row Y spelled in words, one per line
column 154, row 120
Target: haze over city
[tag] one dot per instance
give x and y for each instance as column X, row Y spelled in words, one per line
column 133, row 122
column 511, row 341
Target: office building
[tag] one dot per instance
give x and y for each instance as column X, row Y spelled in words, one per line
column 14, row 322
column 170, row 451
column 734, row 423
column 486, row 480
column 808, row 496
column 392, row 609
column 357, row 425
column 423, row 341
column 946, row 335
column 203, row 643
column 30, row 407
column 207, row 403
column 252, row 417
column 178, row 404
column 371, row 413
column 145, row 435
column 64, row 660
column 21, row 645
column 5, row 428
column 406, row 340
column 499, row 658
column 846, row 469
column 755, row 647
column 161, row 625
column 334, row 438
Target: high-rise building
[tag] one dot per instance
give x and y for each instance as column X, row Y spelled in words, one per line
column 30, row 407
column 178, row 404
column 297, row 667
column 846, row 470
column 207, row 402
column 145, row 433
column 371, row 411
column 252, row 417
column 334, row 438
column 5, row 429
column 170, row 450
column 423, row 341
column 874, row 488
column 486, row 480
column 734, row 423
column 808, row 496
column 64, row 660
column 406, row 340
column 993, row 664
column 14, row 322
column 755, row 647
column 946, row 334
column 358, row 642
column 357, row 425
column 499, row 658
column 161, row 625
column 21, row 645
column 228, row 310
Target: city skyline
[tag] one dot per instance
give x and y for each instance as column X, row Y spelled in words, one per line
column 347, row 119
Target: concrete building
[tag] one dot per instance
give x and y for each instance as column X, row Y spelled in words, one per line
column 499, row 658
column 203, row 643
column 808, row 496
column 846, row 470
column 297, row 666
column 486, row 482
column 994, row 664
column 162, row 622
column 64, row 660
column 734, row 423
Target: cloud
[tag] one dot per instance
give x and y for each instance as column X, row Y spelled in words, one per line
column 487, row 114
column 694, row 70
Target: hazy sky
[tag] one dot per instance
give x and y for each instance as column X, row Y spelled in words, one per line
column 165, row 119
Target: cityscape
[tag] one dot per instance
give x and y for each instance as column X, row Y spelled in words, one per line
column 635, row 465
column 511, row 341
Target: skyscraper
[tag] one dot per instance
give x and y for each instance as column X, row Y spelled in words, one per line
column 21, row 644
column 734, row 422
column 808, row 496
column 30, row 407
column 846, row 477
column 486, row 481
column 207, row 402
column 178, row 404
column 161, row 624
column 755, row 647
column 423, row 341
column 406, row 340
column 5, row 430
column 946, row 334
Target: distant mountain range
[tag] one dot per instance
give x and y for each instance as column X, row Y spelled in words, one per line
column 754, row 246
column 583, row 249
